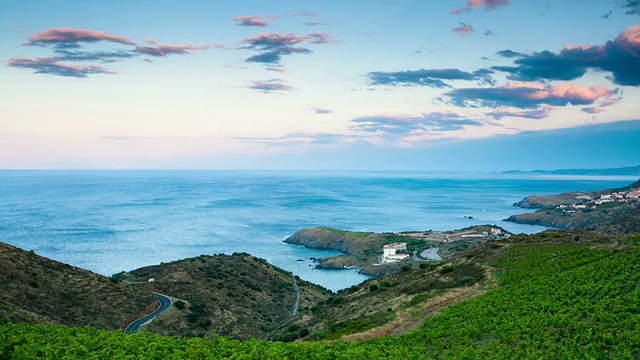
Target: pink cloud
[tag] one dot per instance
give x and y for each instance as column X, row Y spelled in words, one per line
column 272, row 17
column 393, row 127
column 279, row 69
column 576, row 93
column 270, row 86
column 271, row 47
column 166, row 50
column 629, row 41
column 68, row 44
column 321, row 38
column 592, row 110
column 251, row 20
column 529, row 95
column 274, row 39
column 463, row 29
column 536, row 91
column 529, row 114
column 620, row 56
column 488, row 5
column 68, row 35
column 608, row 102
column 51, row 66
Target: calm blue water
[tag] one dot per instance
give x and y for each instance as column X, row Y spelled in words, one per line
column 109, row 221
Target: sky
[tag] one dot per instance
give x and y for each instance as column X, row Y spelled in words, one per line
column 458, row 85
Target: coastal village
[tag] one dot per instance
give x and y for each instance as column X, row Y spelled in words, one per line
column 585, row 201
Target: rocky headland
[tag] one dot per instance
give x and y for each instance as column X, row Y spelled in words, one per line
column 597, row 210
column 347, row 242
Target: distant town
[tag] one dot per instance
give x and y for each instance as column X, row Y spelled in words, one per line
column 584, row 201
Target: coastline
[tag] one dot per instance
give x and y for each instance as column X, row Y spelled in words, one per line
column 586, row 210
column 84, row 218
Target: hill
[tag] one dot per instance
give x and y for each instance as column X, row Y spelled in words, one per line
column 392, row 304
column 40, row 290
column 239, row 296
column 557, row 294
column 626, row 171
column 610, row 210
column 541, row 201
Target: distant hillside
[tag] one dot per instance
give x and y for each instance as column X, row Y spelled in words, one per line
column 629, row 170
column 238, row 296
column 35, row 289
column 588, row 210
column 627, row 223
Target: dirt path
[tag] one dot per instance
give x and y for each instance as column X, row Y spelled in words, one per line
column 295, row 304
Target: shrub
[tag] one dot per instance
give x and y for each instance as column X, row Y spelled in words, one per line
column 204, row 323
column 446, row 270
column 289, row 337
column 192, row 317
column 373, row 287
column 179, row 304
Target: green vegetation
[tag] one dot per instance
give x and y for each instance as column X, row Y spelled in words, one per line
column 238, row 296
column 355, row 234
column 378, row 301
column 40, row 290
column 558, row 298
column 335, row 331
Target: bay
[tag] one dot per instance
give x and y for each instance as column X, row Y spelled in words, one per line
column 113, row 220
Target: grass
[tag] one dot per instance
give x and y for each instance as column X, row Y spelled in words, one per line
column 355, row 234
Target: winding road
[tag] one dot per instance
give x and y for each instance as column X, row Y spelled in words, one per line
column 431, row 254
column 165, row 304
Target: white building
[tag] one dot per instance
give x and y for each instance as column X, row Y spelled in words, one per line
column 389, row 252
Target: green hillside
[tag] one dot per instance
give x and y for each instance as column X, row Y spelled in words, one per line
column 238, row 296
column 558, row 294
column 35, row 289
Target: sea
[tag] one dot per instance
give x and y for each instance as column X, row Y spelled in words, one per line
column 109, row 221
